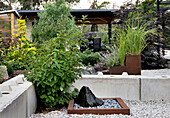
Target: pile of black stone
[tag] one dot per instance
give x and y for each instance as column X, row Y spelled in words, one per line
column 86, row 99
column 152, row 58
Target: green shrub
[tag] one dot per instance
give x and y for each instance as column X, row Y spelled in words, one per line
column 16, row 65
column 111, row 57
column 54, row 68
column 89, row 57
column 9, row 68
column 54, row 18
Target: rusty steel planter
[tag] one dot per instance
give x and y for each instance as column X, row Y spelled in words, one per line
column 101, row 111
column 133, row 64
column 117, row 70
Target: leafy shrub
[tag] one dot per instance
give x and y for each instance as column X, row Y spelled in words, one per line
column 89, row 57
column 16, row 65
column 111, row 57
column 9, row 68
column 55, row 18
column 54, row 69
column 22, row 50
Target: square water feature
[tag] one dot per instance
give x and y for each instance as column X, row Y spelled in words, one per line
column 116, row 107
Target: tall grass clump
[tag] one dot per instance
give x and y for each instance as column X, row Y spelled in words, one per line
column 131, row 39
column 135, row 37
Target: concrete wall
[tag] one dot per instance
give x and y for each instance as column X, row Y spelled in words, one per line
column 111, row 86
column 20, row 102
column 127, row 87
column 155, row 88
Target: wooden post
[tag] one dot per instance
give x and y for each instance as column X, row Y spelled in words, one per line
column 109, row 30
column 12, row 26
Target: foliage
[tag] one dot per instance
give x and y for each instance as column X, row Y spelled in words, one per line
column 22, row 50
column 135, row 38
column 55, row 18
column 55, row 68
column 111, row 57
column 72, row 1
column 132, row 38
column 28, row 4
column 16, row 65
column 89, row 57
column 1, row 54
column 55, row 65
column 2, row 71
column 3, row 6
column 95, row 5
column 103, row 35
column 9, row 68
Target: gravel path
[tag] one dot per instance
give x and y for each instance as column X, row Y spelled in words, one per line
column 139, row 109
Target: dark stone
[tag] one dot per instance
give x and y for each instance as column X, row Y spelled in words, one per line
column 86, row 98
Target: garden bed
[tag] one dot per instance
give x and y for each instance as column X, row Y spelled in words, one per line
column 124, row 110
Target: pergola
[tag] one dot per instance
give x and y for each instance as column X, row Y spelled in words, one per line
column 96, row 16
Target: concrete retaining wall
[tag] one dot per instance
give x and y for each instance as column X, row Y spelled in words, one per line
column 155, row 88
column 111, row 86
column 127, row 87
column 18, row 98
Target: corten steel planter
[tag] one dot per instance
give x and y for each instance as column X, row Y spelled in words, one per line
column 106, row 73
column 133, row 64
column 101, row 111
column 117, row 70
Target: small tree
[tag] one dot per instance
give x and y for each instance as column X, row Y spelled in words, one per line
column 55, row 18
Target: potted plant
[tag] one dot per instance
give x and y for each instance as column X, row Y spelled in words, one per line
column 114, row 59
column 135, row 37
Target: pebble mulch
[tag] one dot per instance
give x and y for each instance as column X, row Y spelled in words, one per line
column 138, row 109
column 108, row 103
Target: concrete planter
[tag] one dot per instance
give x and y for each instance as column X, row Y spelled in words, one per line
column 17, row 98
column 124, row 110
column 133, row 64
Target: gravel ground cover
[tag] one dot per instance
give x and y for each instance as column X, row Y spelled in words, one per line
column 108, row 103
column 139, row 109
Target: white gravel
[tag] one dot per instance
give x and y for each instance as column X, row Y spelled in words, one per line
column 138, row 109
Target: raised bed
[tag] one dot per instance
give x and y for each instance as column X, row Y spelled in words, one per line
column 101, row 111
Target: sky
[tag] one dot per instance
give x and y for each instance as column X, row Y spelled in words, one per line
column 85, row 4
